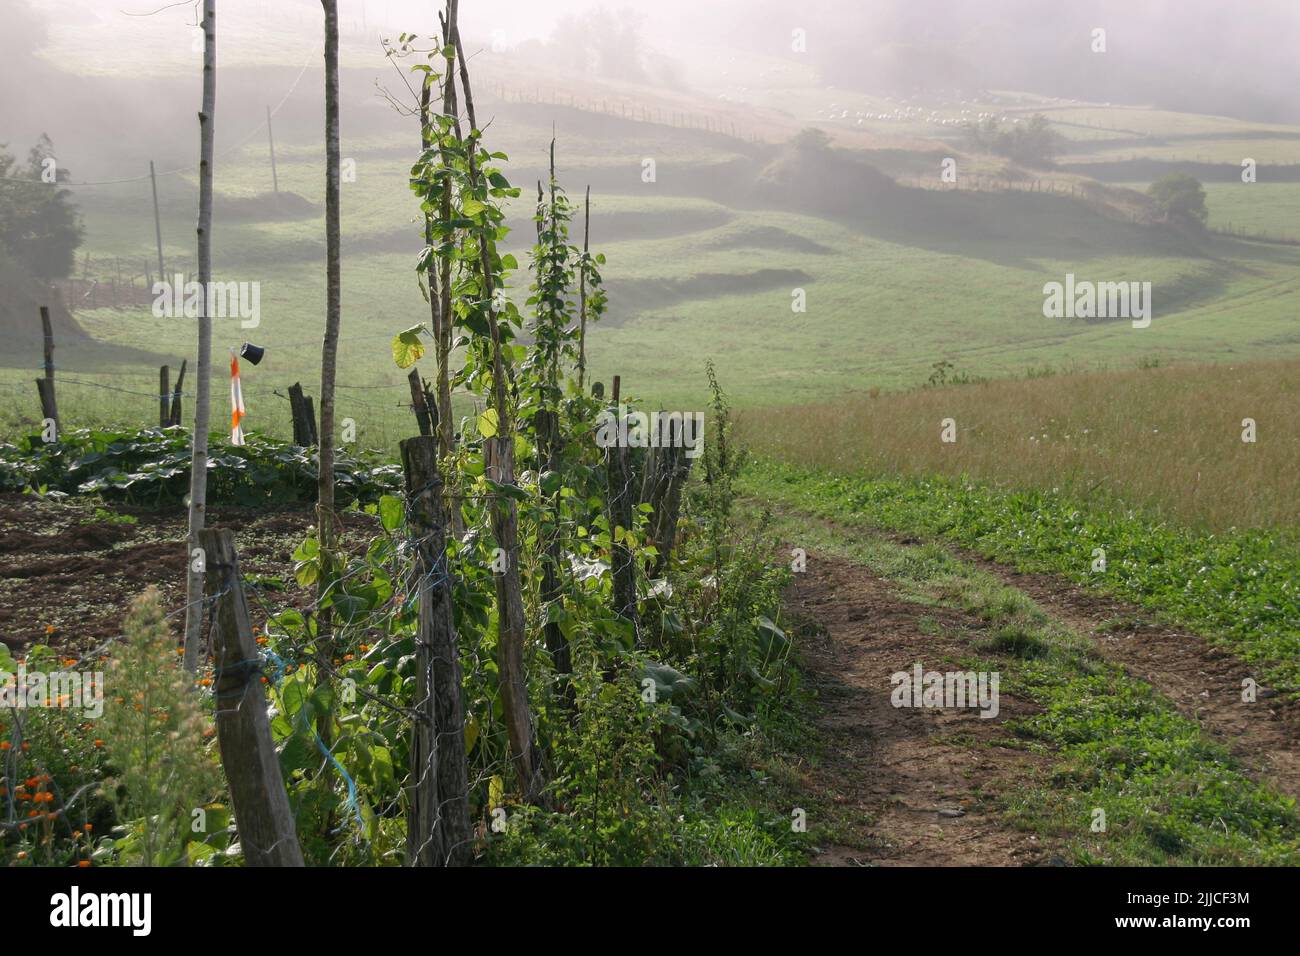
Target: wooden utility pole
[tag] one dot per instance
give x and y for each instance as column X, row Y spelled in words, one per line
column 437, row 817
column 45, row 386
column 248, row 756
column 157, row 221
column 270, row 136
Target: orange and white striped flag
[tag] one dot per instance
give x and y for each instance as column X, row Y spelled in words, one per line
column 236, row 402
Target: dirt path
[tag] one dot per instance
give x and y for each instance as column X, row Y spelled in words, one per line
column 918, row 786
column 1203, row 681
column 922, row 786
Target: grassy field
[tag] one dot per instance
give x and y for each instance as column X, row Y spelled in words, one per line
column 1166, row 440
column 700, row 265
column 1236, row 588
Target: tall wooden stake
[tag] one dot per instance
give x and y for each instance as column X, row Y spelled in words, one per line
column 203, row 398
column 499, row 454
column 582, row 291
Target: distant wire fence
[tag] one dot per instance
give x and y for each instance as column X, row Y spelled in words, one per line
column 119, row 394
column 629, row 108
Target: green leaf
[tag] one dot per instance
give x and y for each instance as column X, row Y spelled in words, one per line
column 510, row 491
column 487, row 423
column 407, row 347
column 551, row 482
column 472, row 207
column 391, row 512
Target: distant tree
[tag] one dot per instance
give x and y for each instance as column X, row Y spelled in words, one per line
column 811, row 140
column 40, row 228
column 607, row 44
column 1032, row 143
column 1180, row 198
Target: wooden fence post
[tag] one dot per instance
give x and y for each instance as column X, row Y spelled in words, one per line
column 304, row 417
column 423, row 404
column 164, row 393
column 667, row 468
column 45, row 386
column 437, row 820
column 262, row 814
column 550, row 444
column 618, row 475
column 176, row 395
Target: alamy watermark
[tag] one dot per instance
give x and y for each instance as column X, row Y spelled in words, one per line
column 1083, row 299
column 53, row 689
column 653, row 430
column 955, row 689
column 225, row 300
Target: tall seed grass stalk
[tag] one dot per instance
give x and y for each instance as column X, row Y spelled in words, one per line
column 153, row 730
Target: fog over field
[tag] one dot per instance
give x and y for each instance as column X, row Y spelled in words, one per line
column 857, row 433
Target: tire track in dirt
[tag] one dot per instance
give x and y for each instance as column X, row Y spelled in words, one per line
column 918, row 787
column 1202, row 680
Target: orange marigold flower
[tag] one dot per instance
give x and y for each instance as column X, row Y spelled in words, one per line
column 5, row 745
column 49, row 628
column 25, row 747
column 99, row 742
column 22, row 854
column 83, row 863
